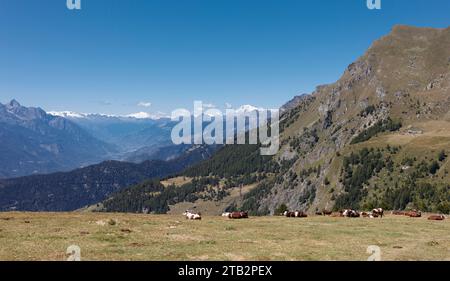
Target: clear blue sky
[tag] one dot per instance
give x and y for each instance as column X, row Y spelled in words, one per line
column 114, row 54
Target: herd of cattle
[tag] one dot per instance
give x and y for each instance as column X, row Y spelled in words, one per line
column 349, row 213
column 236, row 215
column 344, row 213
column 232, row 215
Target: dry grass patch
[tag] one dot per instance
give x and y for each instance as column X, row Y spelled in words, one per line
column 178, row 181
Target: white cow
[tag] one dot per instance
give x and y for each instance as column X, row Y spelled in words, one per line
column 192, row 216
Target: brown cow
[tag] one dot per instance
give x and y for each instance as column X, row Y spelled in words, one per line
column 300, row 214
column 436, row 217
column 324, row 213
column 336, row 214
column 413, row 214
column 238, row 215
column 365, row 214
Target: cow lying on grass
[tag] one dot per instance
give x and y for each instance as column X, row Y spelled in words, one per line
column 365, row 214
column 336, row 215
column 238, row 215
column 436, row 218
column 296, row 214
column 324, row 213
column 350, row 213
column 414, row 214
column 192, row 216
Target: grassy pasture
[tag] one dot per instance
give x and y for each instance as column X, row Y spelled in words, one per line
column 46, row 236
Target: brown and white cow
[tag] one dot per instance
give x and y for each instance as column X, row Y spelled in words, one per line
column 350, row 213
column 378, row 212
column 300, row 214
column 436, row 217
column 365, row 214
column 238, row 215
column 296, row 214
column 288, row 214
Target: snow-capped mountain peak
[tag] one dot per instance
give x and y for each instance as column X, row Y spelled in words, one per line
column 67, row 114
column 243, row 109
column 77, row 115
column 247, row 108
column 146, row 115
column 139, row 115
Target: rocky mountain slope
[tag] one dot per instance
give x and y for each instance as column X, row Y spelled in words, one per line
column 371, row 137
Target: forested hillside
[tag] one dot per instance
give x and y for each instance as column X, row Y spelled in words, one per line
column 68, row 191
column 213, row 179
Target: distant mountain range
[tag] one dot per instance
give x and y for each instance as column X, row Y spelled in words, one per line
column 138, row 137
column 34, row 142
column 126, row 133
column 37, row 142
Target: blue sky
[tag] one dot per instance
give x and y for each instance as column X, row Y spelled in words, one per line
column 113, row 54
